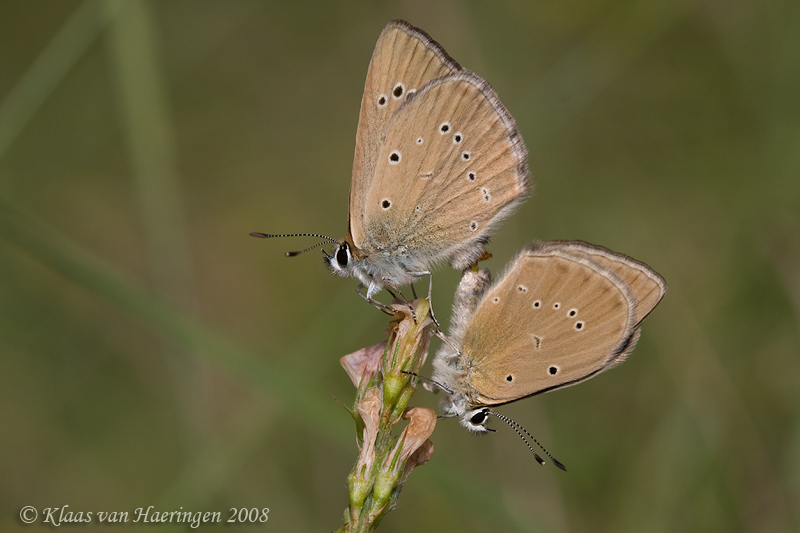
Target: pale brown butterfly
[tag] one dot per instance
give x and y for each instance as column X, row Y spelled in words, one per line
column 438, row 164
column 562, row 312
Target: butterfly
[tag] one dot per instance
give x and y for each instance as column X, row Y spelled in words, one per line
column 563, row 312
column 438, row 163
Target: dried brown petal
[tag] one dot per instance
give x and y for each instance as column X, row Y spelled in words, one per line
column 363, row 364
column 370, row 410
column 421, row 456
column 422, row 421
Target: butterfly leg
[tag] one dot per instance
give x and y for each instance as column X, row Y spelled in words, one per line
column 430, row 382
column 388, row 282
column 439, row 332
column 374, row 303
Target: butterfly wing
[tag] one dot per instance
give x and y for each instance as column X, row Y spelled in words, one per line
column 647, row 285
column 405, row 59
column 452, row 165
column 552, row 320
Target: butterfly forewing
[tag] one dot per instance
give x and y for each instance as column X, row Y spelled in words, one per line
column 552, row 320
column 405, row 59
column 456, row 163
column 646, row 284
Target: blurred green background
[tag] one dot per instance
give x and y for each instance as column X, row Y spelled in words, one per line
column 154, row 354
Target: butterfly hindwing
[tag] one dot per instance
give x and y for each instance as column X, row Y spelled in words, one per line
column 552, row 320
column 452, row 164
column 647, row 285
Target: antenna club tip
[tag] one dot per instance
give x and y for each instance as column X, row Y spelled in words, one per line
column 291, row 254
column 258, row 235
column 562, row 467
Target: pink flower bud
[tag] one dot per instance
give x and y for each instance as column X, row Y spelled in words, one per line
column 363, row 364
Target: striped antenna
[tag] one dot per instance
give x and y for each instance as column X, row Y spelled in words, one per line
column 516, row 427
column 292, row 254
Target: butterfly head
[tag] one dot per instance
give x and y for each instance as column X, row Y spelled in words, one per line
column 347, row 261
column 456, row 404
column 475, row 420
column 341, row 261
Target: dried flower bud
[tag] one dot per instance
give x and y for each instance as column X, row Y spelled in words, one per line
column 360, row 480
column 421, row 456
column 409, row 319
column 407, row 350
column 370, row 410
column 363, row 364
column 422, row 421
column 389, row 478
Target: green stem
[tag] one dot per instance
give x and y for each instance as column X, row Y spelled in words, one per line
column 385, row 459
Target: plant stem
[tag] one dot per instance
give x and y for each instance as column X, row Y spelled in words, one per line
column 383, row 376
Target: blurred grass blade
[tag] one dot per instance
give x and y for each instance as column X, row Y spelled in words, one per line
column 52, row 65
column 149, row 132
column 285, row 386
column 150, row 141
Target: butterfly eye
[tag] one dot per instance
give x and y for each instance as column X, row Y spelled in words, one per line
column 343, row 255
column 478, row 418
